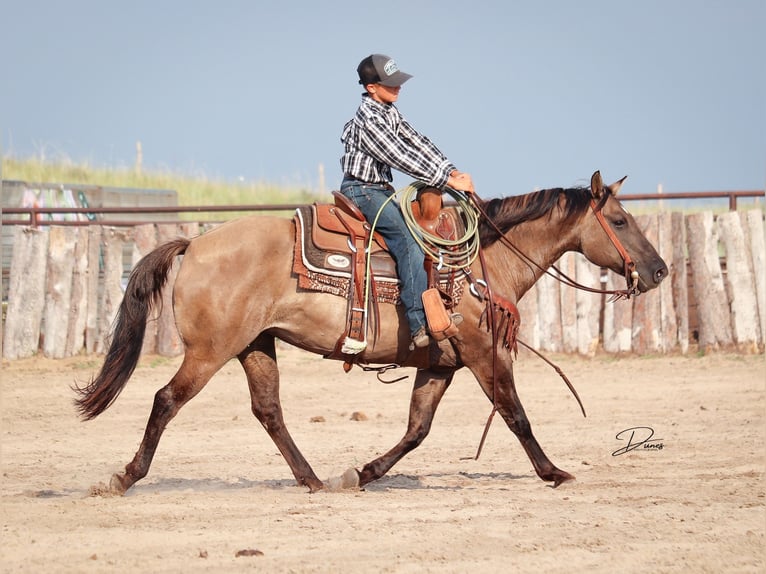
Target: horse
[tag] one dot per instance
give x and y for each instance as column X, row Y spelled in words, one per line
column 235, row 294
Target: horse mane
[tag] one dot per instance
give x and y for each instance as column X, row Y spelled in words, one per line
column 507, row 212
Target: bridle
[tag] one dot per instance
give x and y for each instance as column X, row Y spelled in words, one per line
column 629, row 268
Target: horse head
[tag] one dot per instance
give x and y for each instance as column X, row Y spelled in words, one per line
column 627, row 251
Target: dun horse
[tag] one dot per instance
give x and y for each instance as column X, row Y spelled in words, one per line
column 235, row 293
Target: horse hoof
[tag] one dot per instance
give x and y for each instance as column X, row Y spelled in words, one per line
column 562, row 478
column 350, row 478
column 117, row 485
column 347, row 481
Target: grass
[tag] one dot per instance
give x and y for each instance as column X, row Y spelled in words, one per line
column 201, row 190
column 192, row 190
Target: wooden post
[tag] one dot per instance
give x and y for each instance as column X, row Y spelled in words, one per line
column 710, row 294
column 92, row 325
column 78, row 309
column 530, row 322
column 26, row 293
column 549, row 311
column 739, row 282
column 588, row 305
column 139, row 157
column 618, row 318
column 646, row 307
column 58, row 290
column 190, row 229
column 753, row 224
column 668, row 318
column 679, row 281
column 114, row 241
column 568, row 296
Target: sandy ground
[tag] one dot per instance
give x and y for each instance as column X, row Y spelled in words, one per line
column 218, row 485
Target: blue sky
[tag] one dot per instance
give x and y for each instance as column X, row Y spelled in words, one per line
column 523, row 95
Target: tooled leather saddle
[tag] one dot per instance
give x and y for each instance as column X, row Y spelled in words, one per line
column 330, row 256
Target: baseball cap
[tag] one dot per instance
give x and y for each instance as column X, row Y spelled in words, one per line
column 381, row 69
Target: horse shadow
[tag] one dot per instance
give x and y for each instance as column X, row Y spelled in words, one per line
column 430, row 481
column 441, row 481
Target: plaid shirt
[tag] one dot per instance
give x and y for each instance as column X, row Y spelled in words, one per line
column 378, row 138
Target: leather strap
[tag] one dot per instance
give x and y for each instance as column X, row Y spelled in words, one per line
column 629, row 266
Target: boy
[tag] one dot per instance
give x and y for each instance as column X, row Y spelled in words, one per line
column 377, row 139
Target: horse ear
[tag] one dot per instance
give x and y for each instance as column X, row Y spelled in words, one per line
column 596, row 185
column 615, row 187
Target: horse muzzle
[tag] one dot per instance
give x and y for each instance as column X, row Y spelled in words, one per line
column 656, row 274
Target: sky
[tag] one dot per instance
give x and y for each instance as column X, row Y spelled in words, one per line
column 523, row 95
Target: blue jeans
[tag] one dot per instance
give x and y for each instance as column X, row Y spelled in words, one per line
column 407, row 254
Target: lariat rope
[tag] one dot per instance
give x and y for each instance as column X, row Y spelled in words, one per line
column 450, row 253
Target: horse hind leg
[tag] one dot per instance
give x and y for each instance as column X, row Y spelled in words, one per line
column 260, row 364
column 189, row 380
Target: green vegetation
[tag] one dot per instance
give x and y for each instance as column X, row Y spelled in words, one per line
column 192, row 190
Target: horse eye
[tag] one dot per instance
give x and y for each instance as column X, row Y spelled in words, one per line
column 619, row 222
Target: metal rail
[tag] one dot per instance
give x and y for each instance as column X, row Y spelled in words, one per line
column 32, row 215
column 731, row 195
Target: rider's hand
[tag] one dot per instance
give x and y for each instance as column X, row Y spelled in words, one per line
column 461, row 182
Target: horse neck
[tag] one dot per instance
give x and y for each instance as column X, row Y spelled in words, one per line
column 543, row 241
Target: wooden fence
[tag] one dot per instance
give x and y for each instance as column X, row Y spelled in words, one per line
column 66, row 284
column 715, row 297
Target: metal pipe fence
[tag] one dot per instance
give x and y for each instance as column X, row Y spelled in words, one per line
column 35, row 216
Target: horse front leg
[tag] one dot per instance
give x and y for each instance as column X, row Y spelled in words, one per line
column 428, row 390
column 510, row 408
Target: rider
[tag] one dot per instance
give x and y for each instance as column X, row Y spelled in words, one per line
column 377, row 139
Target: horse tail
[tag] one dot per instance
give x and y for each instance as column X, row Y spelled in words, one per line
column 127, row 337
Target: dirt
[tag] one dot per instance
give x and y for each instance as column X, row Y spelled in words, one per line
column 220, row 498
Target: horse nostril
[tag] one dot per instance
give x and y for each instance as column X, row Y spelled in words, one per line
column 660, row 274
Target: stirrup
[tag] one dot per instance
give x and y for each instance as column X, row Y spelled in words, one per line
column 353, row 346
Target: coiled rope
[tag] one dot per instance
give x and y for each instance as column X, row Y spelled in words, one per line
column 450, row 253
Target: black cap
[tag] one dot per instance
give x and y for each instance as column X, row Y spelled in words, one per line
column 381, row 69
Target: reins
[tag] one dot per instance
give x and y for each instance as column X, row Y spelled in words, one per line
column 630, row 273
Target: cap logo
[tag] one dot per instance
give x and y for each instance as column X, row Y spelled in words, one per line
column 390, row 68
